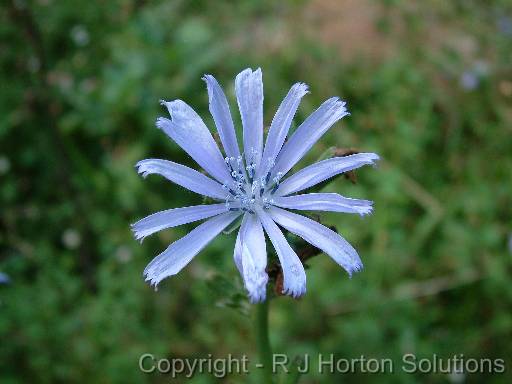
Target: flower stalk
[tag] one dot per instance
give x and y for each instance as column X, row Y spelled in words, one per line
column 263, row 341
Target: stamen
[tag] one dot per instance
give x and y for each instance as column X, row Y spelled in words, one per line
column 267, row 178
column 241, row 177
column 263, row 183
column 267, row 202
column 245, row 193
column 276, row 182
column 250, row 170
column 270, row 164
column 254, row 187
column 254, row 153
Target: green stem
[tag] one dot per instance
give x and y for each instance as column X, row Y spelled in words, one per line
column 263, row 341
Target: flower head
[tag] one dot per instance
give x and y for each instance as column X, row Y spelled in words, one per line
column 252, row 184
column 4, row 278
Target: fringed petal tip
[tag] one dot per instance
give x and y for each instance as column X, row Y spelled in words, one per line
column 137, row 233
column 294, row 282
column 365, row 209
column 373, row 157
column 142, row 168
column 338, row 108
column 147, row 278
column 151, row 279
column 146, row 167
column 173, row 106
column 370, row 158
column 295, row 291
column 139, row 164
column 162, row 122
column 153, row 276
column 208, row 79
column 357, row 267
column 258, row 295
column 248, row 71
column 301, row 88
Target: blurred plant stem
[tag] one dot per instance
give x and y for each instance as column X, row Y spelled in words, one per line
column 263, row 340
column 294, row 373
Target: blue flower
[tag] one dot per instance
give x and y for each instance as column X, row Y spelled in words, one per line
column 4, row 278
column 252, row 184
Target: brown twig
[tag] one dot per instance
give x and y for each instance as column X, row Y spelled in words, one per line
column 414, row 290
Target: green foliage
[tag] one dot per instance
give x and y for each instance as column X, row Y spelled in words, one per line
column 80, row 85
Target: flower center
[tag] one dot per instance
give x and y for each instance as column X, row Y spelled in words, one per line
column 247, row 191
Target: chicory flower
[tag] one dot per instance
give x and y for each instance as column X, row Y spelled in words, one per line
column 252, row 184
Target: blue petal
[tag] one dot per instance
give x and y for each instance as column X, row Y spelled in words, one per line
column 323, row 170
column 182, row 175
column 219, row 108
column 249, row 94
column 294, row 276
column 332, row 202
column 182, row 251
column 308, row 133
column 188, row 130
column 281, row 125
column 174, row 217
column 252, row 258
column 321, row 237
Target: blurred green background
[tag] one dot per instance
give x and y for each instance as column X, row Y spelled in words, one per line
column 429, row 86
